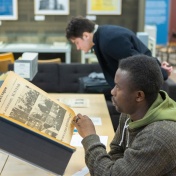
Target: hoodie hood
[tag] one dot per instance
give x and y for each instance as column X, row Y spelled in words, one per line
column 164, row 108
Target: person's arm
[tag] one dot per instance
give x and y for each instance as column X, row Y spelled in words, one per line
column 119, row 48
column 166, row 69
column 143, row 157
column 124, row 48
column 147, row 154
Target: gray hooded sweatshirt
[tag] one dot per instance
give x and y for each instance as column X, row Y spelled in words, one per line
column 146, row 147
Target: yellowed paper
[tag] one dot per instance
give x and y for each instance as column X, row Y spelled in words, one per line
column 23, row 103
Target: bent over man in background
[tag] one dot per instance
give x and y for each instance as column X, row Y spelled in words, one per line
column 110, row 43
column 144, row 143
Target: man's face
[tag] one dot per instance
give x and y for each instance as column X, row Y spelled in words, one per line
column 123, row 98
column 85, row 43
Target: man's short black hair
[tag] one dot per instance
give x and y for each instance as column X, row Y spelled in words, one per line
column 77, row 26
column 145, row 75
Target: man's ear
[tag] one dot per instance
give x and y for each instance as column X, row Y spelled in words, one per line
column 140, row 96
column 86, row 35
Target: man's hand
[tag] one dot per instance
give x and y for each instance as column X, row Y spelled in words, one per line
column 165, row 65
column 84, row 125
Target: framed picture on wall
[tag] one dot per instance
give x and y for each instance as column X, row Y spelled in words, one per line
column 104, row 7
column 8, row 10
column 51, row 7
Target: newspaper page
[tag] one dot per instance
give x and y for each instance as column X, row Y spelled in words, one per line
column 27, row 105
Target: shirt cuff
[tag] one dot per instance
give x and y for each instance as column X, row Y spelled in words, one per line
column 90, row 140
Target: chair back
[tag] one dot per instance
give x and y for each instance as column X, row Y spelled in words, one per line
column 49, row 61
column 4, row 65
column 7, row 56
column 5, row 60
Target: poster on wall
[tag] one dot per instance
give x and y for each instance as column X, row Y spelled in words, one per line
column 104, row 7
column 157, row 14
column 51, row 7
column 8, row 10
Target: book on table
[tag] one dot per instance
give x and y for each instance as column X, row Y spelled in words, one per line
column 34, row 126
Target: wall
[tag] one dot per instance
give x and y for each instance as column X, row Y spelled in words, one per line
column 157, row 14
column 172, row 21
column 27, row 30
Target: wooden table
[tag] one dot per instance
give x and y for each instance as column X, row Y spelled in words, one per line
column 11, row 166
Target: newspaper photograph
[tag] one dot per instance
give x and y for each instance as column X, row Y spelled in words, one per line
column 25, row 104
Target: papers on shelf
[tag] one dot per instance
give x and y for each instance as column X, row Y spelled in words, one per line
column 75, row 102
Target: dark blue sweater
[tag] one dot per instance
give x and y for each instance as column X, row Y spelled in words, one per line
column 113, row 43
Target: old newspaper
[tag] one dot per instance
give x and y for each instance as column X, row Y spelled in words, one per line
column 23, row 103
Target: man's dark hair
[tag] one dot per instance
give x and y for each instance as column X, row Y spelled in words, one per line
column 145, row 75
column 77, row 26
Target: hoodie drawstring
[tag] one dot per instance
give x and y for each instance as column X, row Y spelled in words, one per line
column 123, row 133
